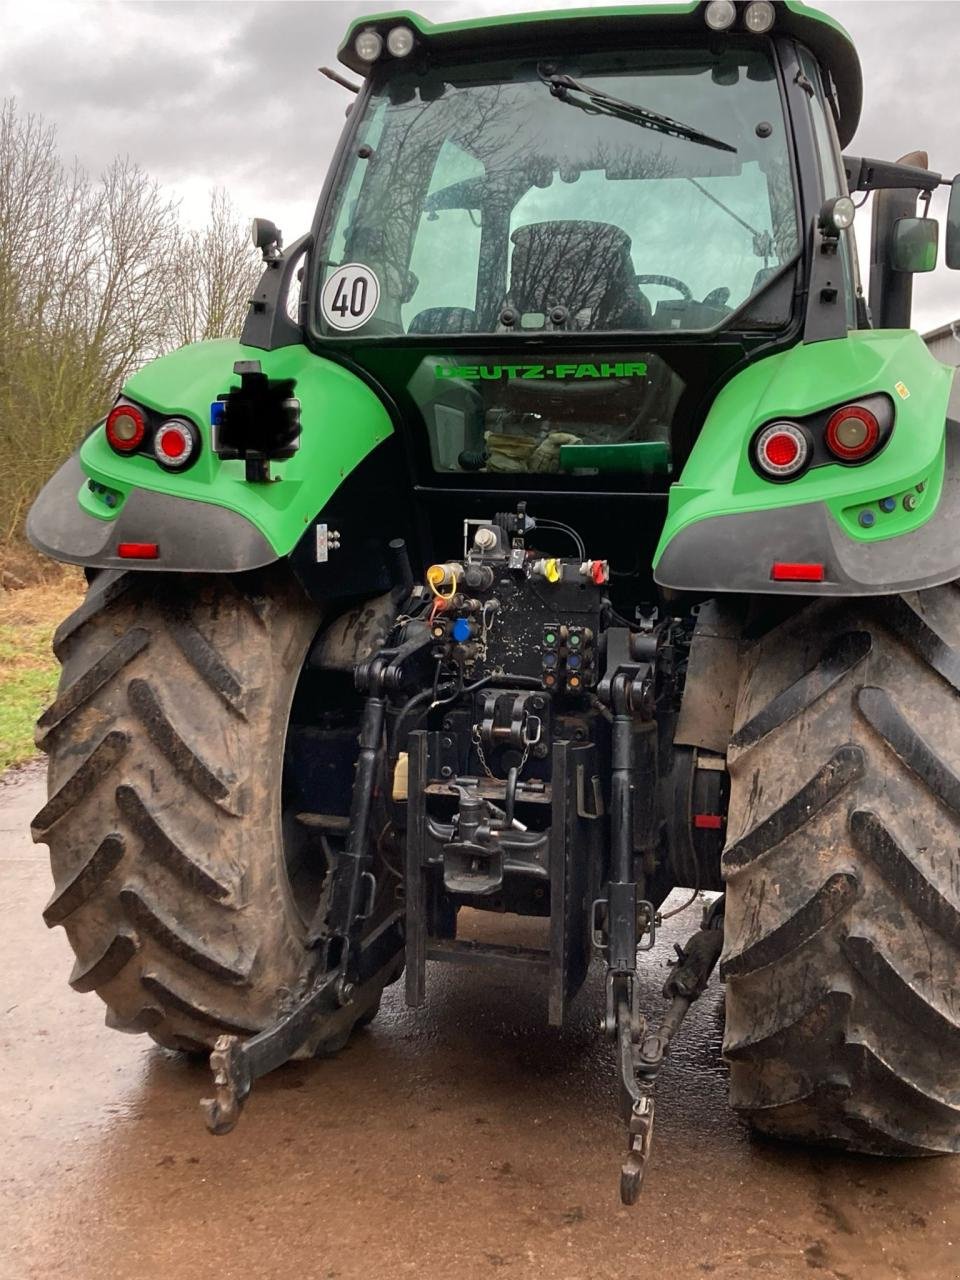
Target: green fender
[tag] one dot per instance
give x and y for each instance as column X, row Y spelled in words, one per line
column 726, row 524
column 99, row 498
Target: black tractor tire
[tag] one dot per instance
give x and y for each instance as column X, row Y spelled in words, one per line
column 842, row 914
column 166, row 750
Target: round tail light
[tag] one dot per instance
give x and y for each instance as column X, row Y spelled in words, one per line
column 852, row 433
column 125, row 428
column 175, row 444
column 782, row 450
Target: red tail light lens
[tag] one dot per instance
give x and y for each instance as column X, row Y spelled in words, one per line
column 125, row 428
column 852, row 433
column 782, row 450
column 175, row 444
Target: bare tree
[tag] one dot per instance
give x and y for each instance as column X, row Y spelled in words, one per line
column 96, row 277
column 213, row 276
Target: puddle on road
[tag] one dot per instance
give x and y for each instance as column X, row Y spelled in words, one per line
column 461, row 1140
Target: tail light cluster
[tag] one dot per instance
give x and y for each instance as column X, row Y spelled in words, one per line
column 172, row 442
column 783, row 450
column 853, row 433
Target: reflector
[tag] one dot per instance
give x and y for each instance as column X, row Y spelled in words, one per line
column 138, row 551
column 783, row 571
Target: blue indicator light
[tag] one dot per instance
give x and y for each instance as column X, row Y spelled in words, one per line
column 549, row 659
column 573, row 661
column 460, row 631
column 887, row 504
column 867, row 519
column 216, row 412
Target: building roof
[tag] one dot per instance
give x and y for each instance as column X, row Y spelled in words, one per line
column 949, row 330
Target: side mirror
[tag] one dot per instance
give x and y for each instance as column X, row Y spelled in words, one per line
column 267, row 238
column 913, row 245
column 953, row 226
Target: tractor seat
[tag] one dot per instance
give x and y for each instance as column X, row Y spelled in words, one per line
column 444, row 320
column 584, row 268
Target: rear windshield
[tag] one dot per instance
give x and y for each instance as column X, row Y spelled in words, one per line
column 474, row 200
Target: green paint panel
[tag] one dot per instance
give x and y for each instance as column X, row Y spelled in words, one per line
column 719, row 479
column 342, row 419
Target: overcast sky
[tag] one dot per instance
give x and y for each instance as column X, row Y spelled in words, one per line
column 227, row 93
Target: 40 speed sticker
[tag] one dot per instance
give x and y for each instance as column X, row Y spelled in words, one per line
column 350, row 296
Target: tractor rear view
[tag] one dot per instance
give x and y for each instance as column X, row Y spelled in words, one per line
column 567, row 526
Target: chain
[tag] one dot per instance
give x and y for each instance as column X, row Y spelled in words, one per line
column 483, row 759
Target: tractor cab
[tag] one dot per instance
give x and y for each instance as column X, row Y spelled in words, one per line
column 551, row 251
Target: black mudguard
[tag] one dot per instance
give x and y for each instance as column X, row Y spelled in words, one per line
column 192, row 537
column 735, row 552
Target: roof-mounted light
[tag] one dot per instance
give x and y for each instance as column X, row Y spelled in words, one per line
column 400, row 41
column 759, row 17
column 720, row 14
column 368, row 45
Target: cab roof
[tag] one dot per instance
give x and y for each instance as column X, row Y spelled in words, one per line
column 585, row 27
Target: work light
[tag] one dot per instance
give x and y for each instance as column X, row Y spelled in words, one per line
column 720, row 14
column 400, row 41
column 759, row 16
column 368, row 45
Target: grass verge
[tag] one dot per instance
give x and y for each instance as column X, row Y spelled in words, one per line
column 28, row 669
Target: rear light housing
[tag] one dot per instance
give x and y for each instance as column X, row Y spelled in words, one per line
column 852, row 433
column 126, row 427
column 786, row 448
column 782, row 450
column 176, row 444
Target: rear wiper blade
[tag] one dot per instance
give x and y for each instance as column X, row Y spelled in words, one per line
column 601, row 103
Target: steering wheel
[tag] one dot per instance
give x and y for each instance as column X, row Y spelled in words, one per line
column 668, row 282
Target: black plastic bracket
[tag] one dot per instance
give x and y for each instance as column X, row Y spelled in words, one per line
column 268, row 324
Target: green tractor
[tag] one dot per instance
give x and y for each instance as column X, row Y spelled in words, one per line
column 567, row 526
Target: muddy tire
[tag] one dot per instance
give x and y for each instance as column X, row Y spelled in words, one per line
column 164, row 818
column 842, row 932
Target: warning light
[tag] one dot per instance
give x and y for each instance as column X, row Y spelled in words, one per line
column 125, row 428
column 852, row 433
column 782, row 450
column 175, row 444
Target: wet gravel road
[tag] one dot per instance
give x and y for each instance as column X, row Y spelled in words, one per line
column 464, row 1140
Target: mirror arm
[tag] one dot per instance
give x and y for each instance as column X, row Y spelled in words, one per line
column 865, row 174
